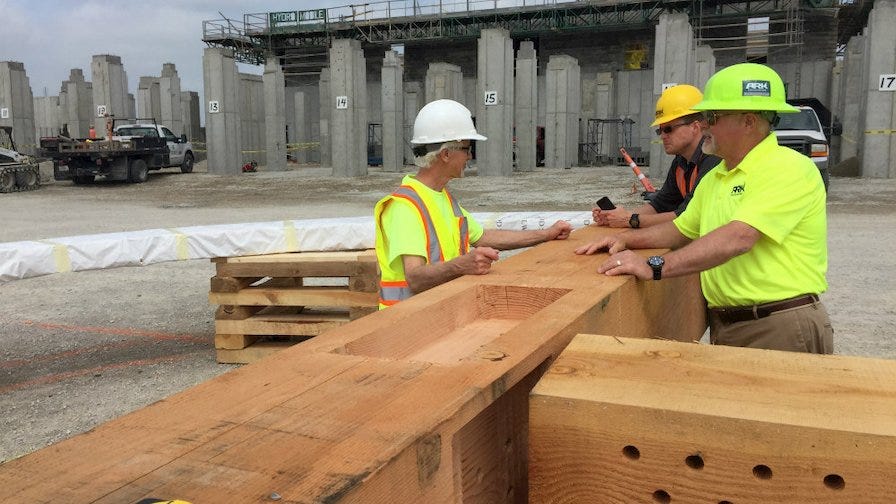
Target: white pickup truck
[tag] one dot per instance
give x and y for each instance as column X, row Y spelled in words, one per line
column 804, row 133
column 180, row 149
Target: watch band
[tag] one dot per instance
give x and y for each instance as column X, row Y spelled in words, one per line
column 634, row 221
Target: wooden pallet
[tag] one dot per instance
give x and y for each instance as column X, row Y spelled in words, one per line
column 269, row 302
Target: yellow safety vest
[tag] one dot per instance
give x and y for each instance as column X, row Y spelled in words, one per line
column 393, row 284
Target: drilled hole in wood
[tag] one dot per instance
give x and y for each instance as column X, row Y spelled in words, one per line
column 763, row 472
column 725, row 502
column 694, row 462
column 631, row 452
column 662, row 497
column 834, row 482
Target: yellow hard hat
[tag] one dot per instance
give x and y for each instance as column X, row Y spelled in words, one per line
column 676, row 101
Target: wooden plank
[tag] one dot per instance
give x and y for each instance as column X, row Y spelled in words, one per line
column 251, row 353
column 283, row 325
column 295, row 296
column 233, row 341
column 304, row 264
column 383, row 409
column 642, row 420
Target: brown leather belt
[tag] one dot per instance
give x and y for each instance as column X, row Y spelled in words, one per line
column 730, row 315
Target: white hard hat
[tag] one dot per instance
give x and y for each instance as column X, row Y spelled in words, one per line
column 444, row 121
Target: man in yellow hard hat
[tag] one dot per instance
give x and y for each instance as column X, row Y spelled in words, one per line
column 423, row 236
column 681, row 129
column 756, row 228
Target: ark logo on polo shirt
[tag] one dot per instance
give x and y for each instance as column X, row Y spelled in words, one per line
column 737, row 190
column 757, row 88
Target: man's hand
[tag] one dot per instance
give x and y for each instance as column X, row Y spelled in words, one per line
column 559, row 230
column 626, row 263
column 611, row 244
column 618, row 217
column 477, row 261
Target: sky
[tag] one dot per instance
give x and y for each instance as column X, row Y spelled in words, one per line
column 53, row 36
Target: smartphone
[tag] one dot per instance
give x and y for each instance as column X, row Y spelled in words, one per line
column 605, row 204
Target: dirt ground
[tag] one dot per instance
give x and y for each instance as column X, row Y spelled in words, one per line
column 78, row 349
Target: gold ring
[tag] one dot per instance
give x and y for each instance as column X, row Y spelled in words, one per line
column 618, row 262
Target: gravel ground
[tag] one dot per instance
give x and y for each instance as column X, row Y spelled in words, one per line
column 78, row 349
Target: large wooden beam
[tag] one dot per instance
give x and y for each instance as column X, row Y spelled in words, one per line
column 635, row 420
column 423, row 402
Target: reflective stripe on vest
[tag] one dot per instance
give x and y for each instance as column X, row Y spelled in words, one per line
column 393, row 292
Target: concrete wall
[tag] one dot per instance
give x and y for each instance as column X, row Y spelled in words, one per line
column 46, row 116
column 110, row 89
column 17, row 105
column 76, row 100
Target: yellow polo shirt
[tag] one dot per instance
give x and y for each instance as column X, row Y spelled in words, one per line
column 779, row 192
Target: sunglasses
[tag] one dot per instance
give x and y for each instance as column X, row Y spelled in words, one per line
column 712, row 116
column 670, row 128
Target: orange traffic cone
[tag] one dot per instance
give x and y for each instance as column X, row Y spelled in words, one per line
column 643, row 178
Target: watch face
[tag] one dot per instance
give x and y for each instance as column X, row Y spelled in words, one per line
column 655, row 261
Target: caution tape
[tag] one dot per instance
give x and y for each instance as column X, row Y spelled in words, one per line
column 880, row 132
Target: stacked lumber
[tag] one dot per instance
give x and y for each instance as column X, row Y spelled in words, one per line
column 269, row 302
column 629, row 420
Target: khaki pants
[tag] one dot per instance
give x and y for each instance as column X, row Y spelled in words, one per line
column 802, row 329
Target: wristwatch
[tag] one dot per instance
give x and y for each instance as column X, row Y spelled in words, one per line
column 634, row 222
column 656, row 264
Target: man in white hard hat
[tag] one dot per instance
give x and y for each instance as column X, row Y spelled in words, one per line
column 423, row 236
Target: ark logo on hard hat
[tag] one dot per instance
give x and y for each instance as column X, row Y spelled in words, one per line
column 757, row 88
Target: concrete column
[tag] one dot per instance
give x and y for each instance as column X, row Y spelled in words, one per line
column 78, row 112
column 326, row 109
column 222, row 111
column 17, row 105
column 673, row 63
column 149, row 101
column 275, row 115
column 878, row 140
column 494, row 103
column 252, row 120
column 348, row 106
column 110, row 89
column 190, row 114
column 605, row 108
column 169, row 94
column 46, row 116
column 444, row 81
column 704, row 65
column 300, row 131
column 393, row 112
column 563, row 102
column 414, row 100
column 526, row 106
column 853, row 94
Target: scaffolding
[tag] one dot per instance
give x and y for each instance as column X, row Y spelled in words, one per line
column 599, row 149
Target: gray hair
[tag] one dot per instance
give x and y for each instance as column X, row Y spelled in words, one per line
column 426, row 160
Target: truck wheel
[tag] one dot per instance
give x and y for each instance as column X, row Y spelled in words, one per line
column 7, row 180
column 138, row 172
column 27, row 179
column 83, row 179
column 187, row 165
